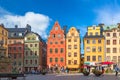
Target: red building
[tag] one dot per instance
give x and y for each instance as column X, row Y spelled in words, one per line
column 56, row 47
column 16, row 53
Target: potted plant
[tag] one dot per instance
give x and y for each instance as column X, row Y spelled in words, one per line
column 85, row 72
column 97, row 72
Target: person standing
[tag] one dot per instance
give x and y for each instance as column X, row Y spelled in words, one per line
column 116, row 70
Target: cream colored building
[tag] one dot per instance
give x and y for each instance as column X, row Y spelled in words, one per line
column 112, row 40
column 73, row 48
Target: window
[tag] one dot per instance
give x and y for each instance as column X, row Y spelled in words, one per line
column 108, row 42
column 75, row 62
column 50, row 50
column 61, row 42
column 15, row 56
column 28, row 38
column 50, row 42
column 99, row 40
column 69, row 54
column 30, row 45
column 53, row 35
column 19, row 55
column 56, row 59
column 20, row 48
column 99, row 49
column 69, row 40
column 96, row 33
column 75, row 54
column 30, row 52
column 118, row 58
column 88, row 58
column 114, row 58
column 14, row 63
column 93, row 49
column 114, row 42
column 61, row 50
column 30, row 61
column 93, row 41
column 35, row 61
column 87, row 49
column 108, row 58
column 5, row 41
column 91, row 34
column 35, row 45
column 26, row 45
column 99, row 58
column 108, row 50
column 69, row 62
column 88, row 41
column 94, row 58
column 61, row 59
column 69, row 46
column 19, row 63
column 75, row 46
column 56, row 28
column 9, row 42
column 114, row 34
column 50, row 59
column 14, row 48
column 72, row 34
column 59, row 35
column 35, row 53
column 56, row 50
column 26, row 53
column 2, row 32
column 26, row 61
column 108, row 34
column 114, row 50
column 75, row 40
column 56, row 42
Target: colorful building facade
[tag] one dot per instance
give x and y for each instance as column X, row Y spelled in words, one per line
column 56, row 50
column 73, row 49
column 32, row 51
column 112, row 40
column 3, row 41
column 94, row 45
column 16, row 46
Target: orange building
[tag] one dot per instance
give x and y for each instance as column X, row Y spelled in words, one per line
column 56, row 47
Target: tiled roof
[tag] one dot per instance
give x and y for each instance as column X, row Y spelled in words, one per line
column 110, row 27
column 16, row 29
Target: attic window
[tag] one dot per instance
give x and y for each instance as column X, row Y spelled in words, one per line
column 94, row 27
column 56, row 28
column 108, row 28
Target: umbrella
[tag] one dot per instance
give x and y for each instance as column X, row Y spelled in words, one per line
column 84, row 66
column 106, row 63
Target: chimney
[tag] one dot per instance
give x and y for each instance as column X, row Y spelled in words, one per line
column 16, row 26
column 28, row 27
column 2, row 25
column 65, row 28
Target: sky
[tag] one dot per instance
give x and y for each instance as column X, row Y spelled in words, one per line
column 41, row 14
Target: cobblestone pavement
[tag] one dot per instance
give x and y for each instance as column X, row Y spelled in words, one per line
column 70, row 77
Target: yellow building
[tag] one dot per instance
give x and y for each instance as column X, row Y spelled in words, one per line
column 73, row 49
column 94, row 47
column 3, row 41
